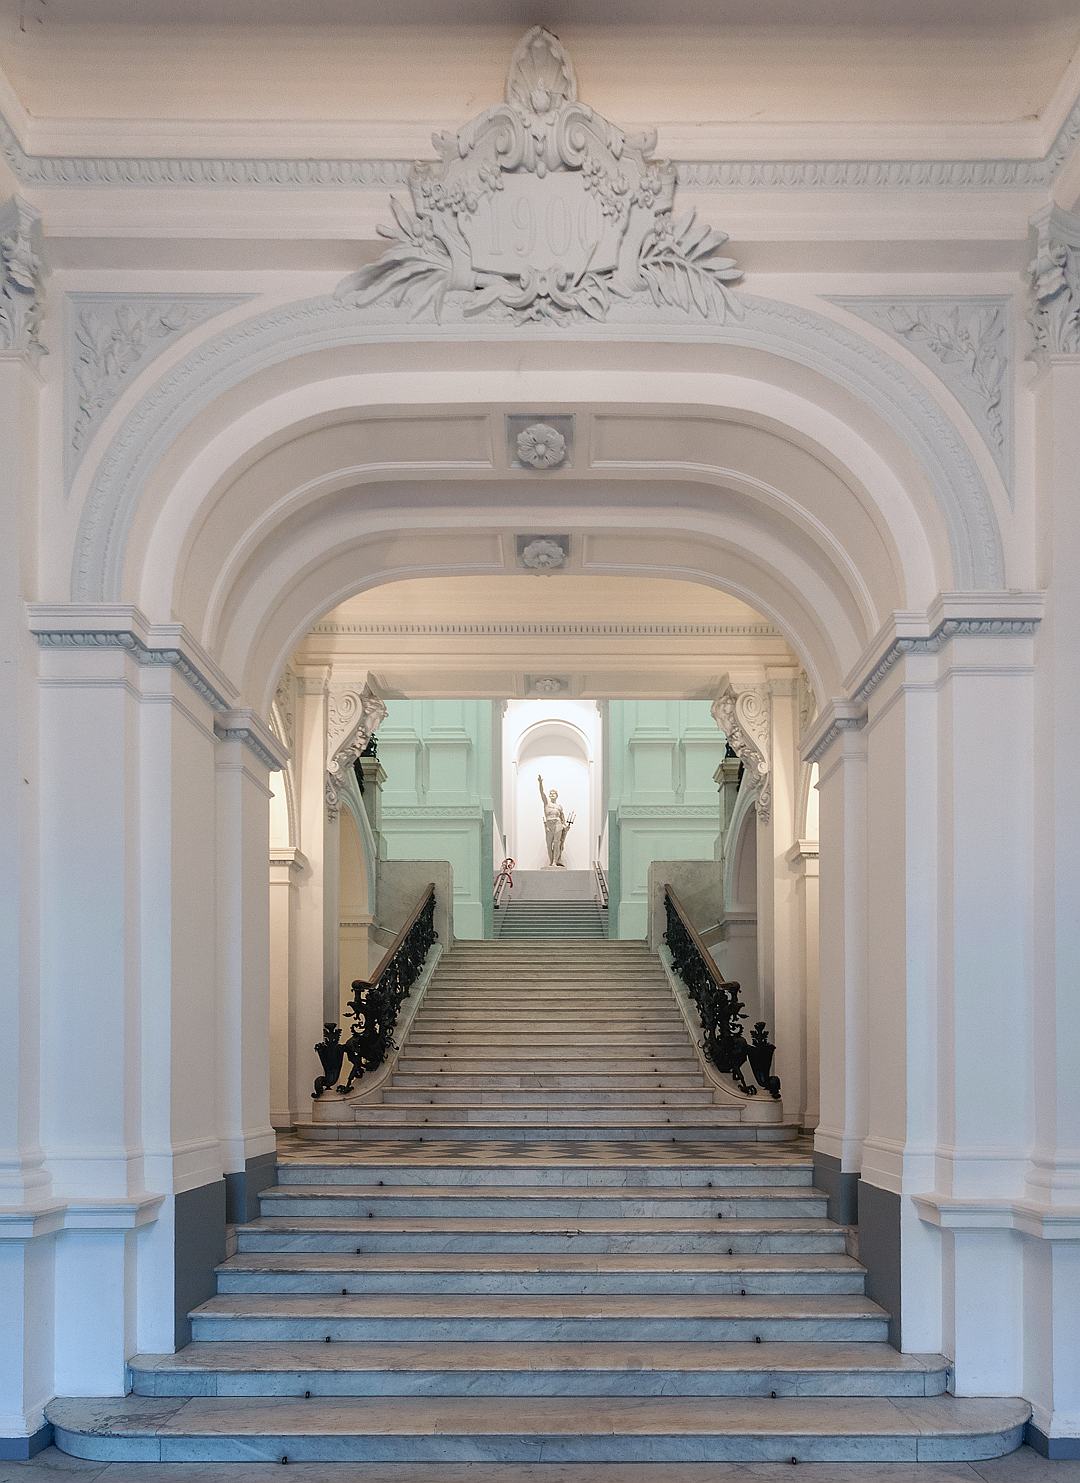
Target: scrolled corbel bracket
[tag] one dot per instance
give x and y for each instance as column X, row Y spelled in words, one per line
column 352, row 719
column 743, row 714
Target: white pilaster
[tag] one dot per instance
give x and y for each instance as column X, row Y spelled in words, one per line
column 837, row 744
column 287, row 866
column 26, row 1246
column 245, row 750
column 316, row 996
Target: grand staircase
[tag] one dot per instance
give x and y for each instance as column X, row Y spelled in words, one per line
column 550, row 1246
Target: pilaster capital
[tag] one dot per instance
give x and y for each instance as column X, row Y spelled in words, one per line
column 22, row 280
column 743, row 714
column 244, row 725
column 836, row 718
column 1054, row 276
column 353, row 715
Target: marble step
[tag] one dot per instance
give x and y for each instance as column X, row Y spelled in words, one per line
column 767, row 1170
column 411, row 1064
column 655, row 1236
column 788, row 1317
column 512, row 1430
column 561, row 1273
column 429, row 1095
column 548, row 1041
column 581, row 1081
column 436, row 1128
column 566, row 1018
column 651, row 1114
column 613, row 1058
column 751, row 1202
column 499, row 1369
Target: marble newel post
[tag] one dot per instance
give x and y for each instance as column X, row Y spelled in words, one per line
column 1052, row 1267
column 761, row 723
column 24, row 1256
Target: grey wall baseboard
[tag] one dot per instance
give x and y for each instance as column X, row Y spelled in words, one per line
column 21, row 1449
column 842, row 1188
column 198, row 1247
column 1057, row 1449
column 879, row 1250
column 242, row 1188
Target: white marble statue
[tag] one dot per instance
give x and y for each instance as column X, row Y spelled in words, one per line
column 556, row 825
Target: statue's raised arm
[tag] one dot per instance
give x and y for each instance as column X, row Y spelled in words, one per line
column 543, row 795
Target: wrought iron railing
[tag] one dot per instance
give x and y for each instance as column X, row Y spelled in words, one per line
column 504, row 882
column 375, row 1002
column 600, row 881
column 719, row 1005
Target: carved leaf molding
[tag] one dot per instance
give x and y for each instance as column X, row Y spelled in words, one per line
column 113, row 337
column 539, row 209
column 22, row 279
column 1054, row 275
column 966, row 342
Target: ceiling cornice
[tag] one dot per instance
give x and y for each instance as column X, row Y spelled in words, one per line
column 890, row 171
column 547, row 630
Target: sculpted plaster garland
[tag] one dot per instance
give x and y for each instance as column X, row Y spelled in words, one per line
column 541, row 209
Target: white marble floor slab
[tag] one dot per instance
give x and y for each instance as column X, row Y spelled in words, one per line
column 1023, row 1466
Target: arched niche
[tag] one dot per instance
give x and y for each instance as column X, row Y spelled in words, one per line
column 561, row 753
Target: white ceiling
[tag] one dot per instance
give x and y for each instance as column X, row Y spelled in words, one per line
column 494, row 636
column 703, row 62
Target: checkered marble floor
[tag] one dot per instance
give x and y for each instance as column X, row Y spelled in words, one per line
column 543, row 1151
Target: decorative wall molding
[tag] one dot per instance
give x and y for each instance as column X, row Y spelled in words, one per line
column 22, row 280
column 110, row 338
column 547, row 684
column 967, row 343
column 352, row 719
column 243, row 725
column 836, row 718
column 122, row 626
column 549, row 630
column 218, row 364
column 743, row 713
column 470, row 813
column 1054, row 275
column 539, row 208
column 671, row 811
column 182, row 172
column 951, row 615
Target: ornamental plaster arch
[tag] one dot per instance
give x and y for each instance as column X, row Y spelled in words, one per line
column 922, row 481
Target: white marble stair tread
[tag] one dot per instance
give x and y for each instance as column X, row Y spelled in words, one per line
column 655, row 1114
column 616, row 1225
column 524, row 1428
column 554, row 1173
column 585, row 1305
column 767, row 1358
column 463, row 1368
column 616, row 1261
column 794, row 1195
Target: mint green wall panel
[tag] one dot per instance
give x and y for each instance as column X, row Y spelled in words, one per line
column 437, row 798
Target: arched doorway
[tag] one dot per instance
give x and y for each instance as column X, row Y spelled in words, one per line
column 310, row 458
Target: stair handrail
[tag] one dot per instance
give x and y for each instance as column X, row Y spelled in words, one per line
column 600, row 881
column 719, row 1005
column 504, row 881
column 375, row 1002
